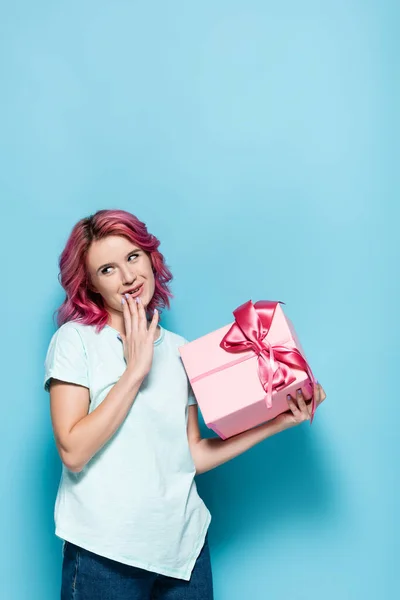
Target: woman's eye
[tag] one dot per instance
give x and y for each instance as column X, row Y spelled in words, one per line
column 104, row 271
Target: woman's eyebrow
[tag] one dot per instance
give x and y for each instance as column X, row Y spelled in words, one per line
column 109, row 264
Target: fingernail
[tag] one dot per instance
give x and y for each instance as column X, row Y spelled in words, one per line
column 288, row 397
column 155, row 310
column 137, row 299
column 299, row 392
column 122, row 300
column 126, row 295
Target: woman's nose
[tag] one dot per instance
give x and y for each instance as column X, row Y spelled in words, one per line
column 128, row 277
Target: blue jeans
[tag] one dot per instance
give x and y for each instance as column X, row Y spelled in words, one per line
column 88, row 576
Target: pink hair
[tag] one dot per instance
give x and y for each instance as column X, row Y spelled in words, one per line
column 81, row 303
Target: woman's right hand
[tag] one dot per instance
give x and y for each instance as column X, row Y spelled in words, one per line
column 138, row 341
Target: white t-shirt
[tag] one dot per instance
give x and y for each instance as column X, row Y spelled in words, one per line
column 136, row 500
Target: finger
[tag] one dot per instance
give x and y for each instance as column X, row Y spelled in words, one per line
column 142, row 319
column 302, row 404
column 154, row 321
column 317, row 393
column 134, row 313
column 127, row 316
column 293, row 406
column 322, row 394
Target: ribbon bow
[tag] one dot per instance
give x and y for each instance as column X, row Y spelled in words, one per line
column 249, row 332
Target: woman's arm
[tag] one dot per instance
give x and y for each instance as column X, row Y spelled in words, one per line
column 79, row 435
column 208, row 453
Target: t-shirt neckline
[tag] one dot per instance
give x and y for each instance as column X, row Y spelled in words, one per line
column 155, row 343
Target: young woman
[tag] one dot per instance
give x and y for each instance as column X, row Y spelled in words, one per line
column 126, row 427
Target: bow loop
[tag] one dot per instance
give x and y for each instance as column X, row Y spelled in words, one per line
column 274, row 363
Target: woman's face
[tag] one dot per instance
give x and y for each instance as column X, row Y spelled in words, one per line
column 116, row 266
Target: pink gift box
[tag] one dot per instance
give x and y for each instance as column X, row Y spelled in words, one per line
column 241, row 373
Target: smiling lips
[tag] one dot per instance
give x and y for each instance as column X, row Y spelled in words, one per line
column 135, row 293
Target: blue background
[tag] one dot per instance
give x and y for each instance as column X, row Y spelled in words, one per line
column 258, row 141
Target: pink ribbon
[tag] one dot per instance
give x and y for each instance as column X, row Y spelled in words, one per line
column 249, row 332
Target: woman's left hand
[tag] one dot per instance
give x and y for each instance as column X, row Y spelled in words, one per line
column 299, row 409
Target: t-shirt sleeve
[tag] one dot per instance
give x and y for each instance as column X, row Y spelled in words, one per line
column 191, row 396
column 66, row 358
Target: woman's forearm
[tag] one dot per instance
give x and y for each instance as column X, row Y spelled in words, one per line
column 90, row 434
column 209, row 453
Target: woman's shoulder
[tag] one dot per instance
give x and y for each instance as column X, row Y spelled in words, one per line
column 175, row 338
column 72, row 331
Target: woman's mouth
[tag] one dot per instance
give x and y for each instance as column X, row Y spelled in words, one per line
column 136, row 291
